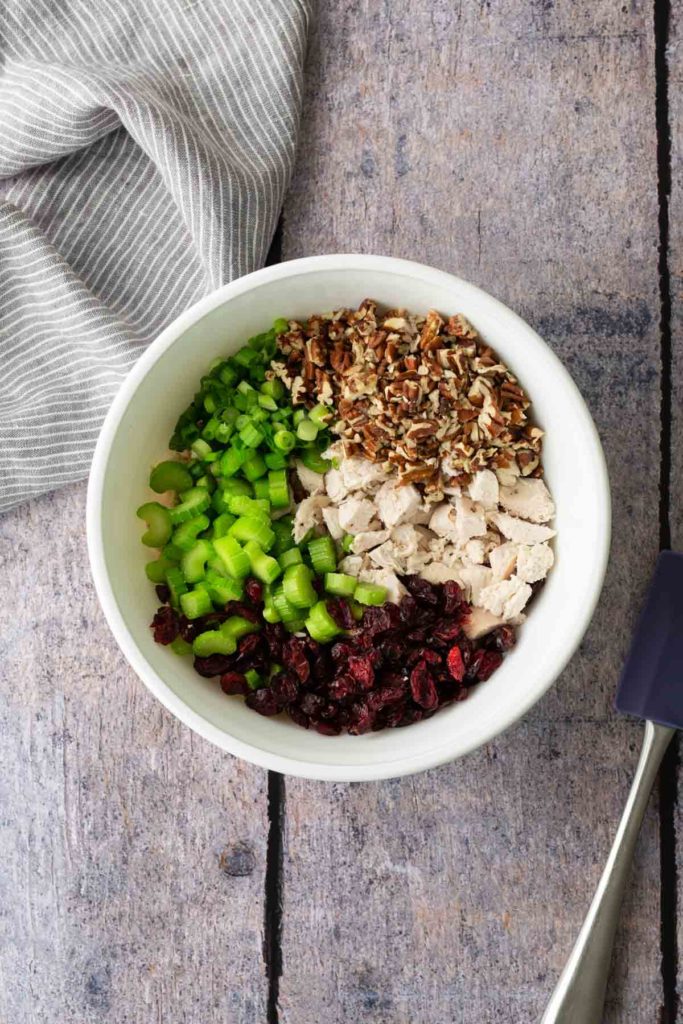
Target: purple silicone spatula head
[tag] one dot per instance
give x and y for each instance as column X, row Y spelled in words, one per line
column 651, row 684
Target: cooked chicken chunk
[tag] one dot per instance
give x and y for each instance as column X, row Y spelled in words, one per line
column 484, row 488
column 309, row 513
column 506, row 598
column 312, row 483
column 480, row 623
column 528, row 499
column 356, row 514
column 534, row 562
column 397, row 505
column 331, row 518
column 503, row 560
column 518, row 530
column 470, row 520
column 385, row 578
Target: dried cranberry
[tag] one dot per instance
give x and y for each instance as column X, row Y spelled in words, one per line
column 375, row 620
column 341, row 651
column 361, row 718
column 342, row 687
column 234, row 682
column 451, row 597
column 328, row 728
column 456, row 665
column 254, row 591
column 418, row 636
column 321, row 667
column 393, row 650
column 298, row 717
column 165, row 625
column 503, row 638
column 431, row 657
column 421, row 590
column 362, row 671
column 285, row 688
column 242, row 609
column 311, row 704
column 274, row 634
column 446, row 631
column 412, row 715
column 188, row 629
column 329, row 711
column 263, row 701
column 422, row 687
column 386, row 695
column 294, row 657
column 488, row 665
column 163, row 593
column 408, row 609
column 341, row 613
column 248, row 646
column 213, row 665
column 393, row 716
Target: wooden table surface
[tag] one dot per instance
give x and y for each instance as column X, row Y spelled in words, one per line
column 147, row 876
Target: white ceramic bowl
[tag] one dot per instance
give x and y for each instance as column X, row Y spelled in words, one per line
column 135, row 434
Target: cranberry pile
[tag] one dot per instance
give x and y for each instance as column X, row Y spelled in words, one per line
column 396, row 666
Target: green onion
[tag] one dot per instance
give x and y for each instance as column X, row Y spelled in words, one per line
column 284, row 440
column 370, row 593
column 298, row 586
column 320, row 624
column 175, row 581
column 298, row 416
column 193, row 562
column 200, row 448
column 266, row 402
column 170, row 476
column 291, row 557
column 209, row 431
column 250, row 436
column 254, row 467
column 253, row 528
column 320, row 415
column 276, row 460
column 195, row 501
column 323, row 555
column 278, row 488
column 306, row 430
column 273, row 389
column 312, row 459
column 223, row 432
column 232, row 555
column 245, row 357
column 185, row 535
column 281, row 325
column 158, row 520
column 347, row 543
column 263, row 566
column 340, row 584
column 210, row 404
column 195, row 603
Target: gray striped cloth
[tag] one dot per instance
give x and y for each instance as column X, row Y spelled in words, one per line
column 145, row 148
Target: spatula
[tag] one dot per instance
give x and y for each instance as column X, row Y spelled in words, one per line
column 651, row 687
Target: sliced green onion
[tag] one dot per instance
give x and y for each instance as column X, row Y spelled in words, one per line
column 195, row 501
column 245, row 357
column 158, row 520
column 231, row 554
column 281, row 325
column 323, row 555
column 284, row 440
column 298, row 416
column 273, row 389
column 266, row 402
column 185, row 535
column 291, row 557
column 195, row 603
column 170, row 476
column 278, row 488
column 320, row 624
column 297, row 584
column 347, row 543
column 253, row 528
column 193, row 562
column 340, row 584
column 306, row 430
column 200, row 448
column 251, row 436
column 320, row 415
column 370, row 593
column 232, row 460
column 223, row 432
column 263, row 566
column 313, row 460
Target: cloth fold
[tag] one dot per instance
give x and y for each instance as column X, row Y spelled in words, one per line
column 145, row 149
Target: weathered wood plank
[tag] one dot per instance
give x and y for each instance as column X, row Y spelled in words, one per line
column 514, row 144
column 675, row 266
column 133, row 853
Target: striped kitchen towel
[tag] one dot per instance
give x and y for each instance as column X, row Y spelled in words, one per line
column 145, row 148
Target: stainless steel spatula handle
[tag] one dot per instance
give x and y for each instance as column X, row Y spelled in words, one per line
column 579, row 995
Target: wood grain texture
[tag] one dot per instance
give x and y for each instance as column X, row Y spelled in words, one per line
column 133, row 853
column 512, row 143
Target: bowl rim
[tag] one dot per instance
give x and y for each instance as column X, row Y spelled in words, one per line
column 323, row 771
